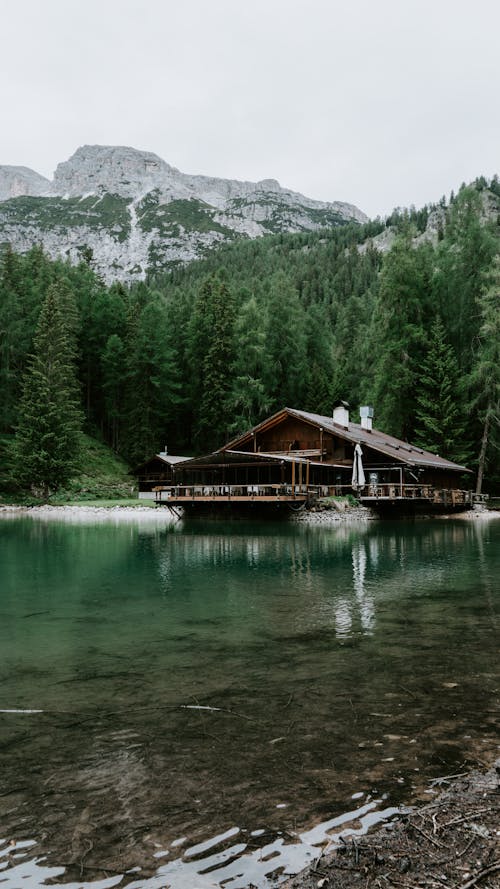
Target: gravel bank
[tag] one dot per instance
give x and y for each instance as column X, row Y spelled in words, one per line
column 91, row 513
column 319, row 516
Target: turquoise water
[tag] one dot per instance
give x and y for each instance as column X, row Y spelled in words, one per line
column 200, row 697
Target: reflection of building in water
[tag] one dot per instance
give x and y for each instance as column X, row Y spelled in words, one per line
column 343, row 617
column 361, row 607
column 364, row 600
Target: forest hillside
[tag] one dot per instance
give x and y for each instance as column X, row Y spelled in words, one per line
column 402, row 314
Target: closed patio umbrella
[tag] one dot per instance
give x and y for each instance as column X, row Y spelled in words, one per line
column 358, row 474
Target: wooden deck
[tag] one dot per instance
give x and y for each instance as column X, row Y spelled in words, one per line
column 301, row 495
column 374, row 495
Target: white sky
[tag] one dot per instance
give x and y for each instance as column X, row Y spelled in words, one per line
column 381, row 103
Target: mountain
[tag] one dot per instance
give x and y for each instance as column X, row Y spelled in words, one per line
column 135, row 212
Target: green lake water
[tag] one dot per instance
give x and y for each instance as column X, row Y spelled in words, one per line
column 210, row 702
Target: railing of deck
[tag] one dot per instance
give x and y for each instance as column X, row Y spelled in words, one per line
column 369, row 494
column 227, row 492
column 429, row 493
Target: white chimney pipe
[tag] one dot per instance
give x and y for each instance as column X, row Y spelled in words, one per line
column 366, row 414
column 341, row 414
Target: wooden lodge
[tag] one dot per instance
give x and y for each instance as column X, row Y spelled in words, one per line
column 293, row 458
column 158, row 470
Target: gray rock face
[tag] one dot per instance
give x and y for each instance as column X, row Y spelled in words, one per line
column 93, row 169
column 19, row 181
column 137, row 213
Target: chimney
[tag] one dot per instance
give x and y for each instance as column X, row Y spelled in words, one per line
column 366, row 414
column 341, row 414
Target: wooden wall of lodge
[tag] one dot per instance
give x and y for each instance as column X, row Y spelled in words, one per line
column 294, row 434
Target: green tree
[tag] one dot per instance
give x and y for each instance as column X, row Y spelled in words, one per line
column 152, row 384
column 248, row 401
column 214, row 408
column 113, row 360
column 47, row 434
column 398, row 334
column 286, row 373
column 23, row 285
column 440, row 415
column 485, row 374
column 463, row 260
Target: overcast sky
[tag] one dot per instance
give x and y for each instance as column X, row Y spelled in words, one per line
column 381, row 103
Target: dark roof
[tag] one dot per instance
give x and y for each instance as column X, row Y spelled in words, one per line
column 398, row 450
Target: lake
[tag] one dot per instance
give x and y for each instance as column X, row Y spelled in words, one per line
column 207, row 703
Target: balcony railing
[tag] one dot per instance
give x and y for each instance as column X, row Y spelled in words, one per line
column 186, row 493
column 370, row 494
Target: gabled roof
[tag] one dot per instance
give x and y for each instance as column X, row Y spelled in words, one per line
column 391, row 447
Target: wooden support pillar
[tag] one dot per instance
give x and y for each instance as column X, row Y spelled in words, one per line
column 308, row 464
column 293, row 474
column 321, row 445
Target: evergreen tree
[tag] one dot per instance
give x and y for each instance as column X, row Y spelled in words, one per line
column 248, row 402
column 440, row 425
column 286, row 376
column 23, row 286
column 214, row 419
column 49, row 421
column 113, row 361
column 464, row 258
column 485, row 374
column 398, row 334
column 318, row 393
column 152, row 384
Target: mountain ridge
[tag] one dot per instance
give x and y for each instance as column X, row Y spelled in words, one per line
column 136, row 213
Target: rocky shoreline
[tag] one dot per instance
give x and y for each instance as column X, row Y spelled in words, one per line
column 328, row 515
column 319, row 515
column 453, row 841
column 84, row 513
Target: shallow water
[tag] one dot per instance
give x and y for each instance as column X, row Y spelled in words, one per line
column 225, row 697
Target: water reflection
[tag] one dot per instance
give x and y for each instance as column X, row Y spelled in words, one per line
column 218, row 861
column 195, row 679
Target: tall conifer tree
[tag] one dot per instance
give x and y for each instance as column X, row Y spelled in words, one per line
column 214, row 420
column 398, row 334
column 485, row 374
column 49, row 421
column 440, row 426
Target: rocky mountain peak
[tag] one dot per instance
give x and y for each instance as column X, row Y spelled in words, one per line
column 135, row 213
column 110, row 168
